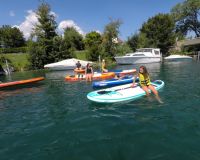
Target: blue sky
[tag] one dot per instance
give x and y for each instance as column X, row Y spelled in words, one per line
column 87, row 15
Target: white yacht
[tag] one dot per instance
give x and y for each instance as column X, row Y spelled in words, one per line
column 142, row 55
column 67, row 64
column 178, row 58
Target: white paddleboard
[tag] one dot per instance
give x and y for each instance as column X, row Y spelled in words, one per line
column 121, row 93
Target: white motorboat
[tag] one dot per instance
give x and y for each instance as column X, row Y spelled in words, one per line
column 142, row 55
column 178, row 58
column 67, row 64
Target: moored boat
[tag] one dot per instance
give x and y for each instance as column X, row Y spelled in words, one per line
column 68, row 64
column 178, row 58
column 142, row 55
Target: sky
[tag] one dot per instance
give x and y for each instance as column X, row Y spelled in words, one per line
column 85, row 15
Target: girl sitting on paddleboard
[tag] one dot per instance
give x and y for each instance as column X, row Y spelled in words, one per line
column 145, row 82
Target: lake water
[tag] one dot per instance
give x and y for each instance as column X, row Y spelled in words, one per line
column 55, row 120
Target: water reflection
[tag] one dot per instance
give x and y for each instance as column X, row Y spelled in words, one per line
column 17, row 90
column 57, row 74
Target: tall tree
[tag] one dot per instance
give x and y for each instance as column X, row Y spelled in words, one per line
column 47, row 47
column 74, row 38
column 159, row 31
column 93, row 42
column 187, row 17
column 133, row 41
column 138, row 40
column 11, row 37
column 111, row 33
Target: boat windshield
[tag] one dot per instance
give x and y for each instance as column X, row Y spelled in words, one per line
column 144, row 50
column 135, row 54
column 138, row 55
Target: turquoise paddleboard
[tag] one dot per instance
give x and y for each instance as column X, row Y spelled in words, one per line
column 121, row 93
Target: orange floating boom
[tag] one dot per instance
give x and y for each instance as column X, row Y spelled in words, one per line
column 14, row 83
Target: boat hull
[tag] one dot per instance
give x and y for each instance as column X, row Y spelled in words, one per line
column 177, row 58
column 68, row 64
column 61, row 68
column 137, row 60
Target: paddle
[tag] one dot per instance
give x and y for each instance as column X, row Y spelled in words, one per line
column 106, row 92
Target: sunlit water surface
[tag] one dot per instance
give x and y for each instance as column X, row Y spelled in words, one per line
column 54, row 119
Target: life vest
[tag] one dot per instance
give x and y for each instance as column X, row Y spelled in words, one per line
column 103, row 66
column 88, row 70
column 143, row 81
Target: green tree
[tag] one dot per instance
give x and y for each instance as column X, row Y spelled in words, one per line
column 74, row 38
column 123, row 48
column 11, row 37
column 111, row 33
column 138, row 40
column 143, row 41
column 62, row 49
column 47, row 46
column 158, row 31
column 43, row 52
column 187, row 17
column 93, row 42
column 133, row 41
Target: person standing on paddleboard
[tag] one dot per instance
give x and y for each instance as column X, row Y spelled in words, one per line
column 145, row 82
column 78, row 65
column 88, row 72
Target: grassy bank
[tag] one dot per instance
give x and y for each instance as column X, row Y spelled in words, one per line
column 81, row 54
column 18, row 61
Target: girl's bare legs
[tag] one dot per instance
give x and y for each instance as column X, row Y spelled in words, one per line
column 145, row 88
column 86, row 77
column 155, row 92
column 90, row 77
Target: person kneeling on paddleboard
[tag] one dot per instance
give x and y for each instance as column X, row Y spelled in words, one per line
column 145, row 82
column 103, row 67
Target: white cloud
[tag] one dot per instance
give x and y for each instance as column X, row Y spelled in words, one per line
column 12, row 13
column 27, row 26
column 54, row 14
column 98, row 31
column 69, row 23
column 31, row 20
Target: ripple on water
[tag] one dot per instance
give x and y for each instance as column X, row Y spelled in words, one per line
column 55, row 120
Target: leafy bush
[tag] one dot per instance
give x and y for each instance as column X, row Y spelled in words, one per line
column 14, row 50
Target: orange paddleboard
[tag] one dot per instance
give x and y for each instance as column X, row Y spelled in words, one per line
column 79, row 70
column 96, row 76
column 32, row 80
